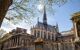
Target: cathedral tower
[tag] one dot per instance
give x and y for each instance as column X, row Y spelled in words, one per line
column 44, row 18
column 43, row 29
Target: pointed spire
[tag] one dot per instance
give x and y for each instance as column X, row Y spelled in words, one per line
column 44, row 18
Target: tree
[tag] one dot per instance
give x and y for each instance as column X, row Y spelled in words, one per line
column 24, row 9
column 4, row 5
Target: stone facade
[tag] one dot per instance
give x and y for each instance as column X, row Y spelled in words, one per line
column 41, row 38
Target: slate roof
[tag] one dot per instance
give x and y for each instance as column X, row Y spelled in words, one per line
column 49, row 27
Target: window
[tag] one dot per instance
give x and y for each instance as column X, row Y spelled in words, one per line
column 48, row 36
column 44, row 35
column 38, row 34
column 52, row 36
column 34, row 32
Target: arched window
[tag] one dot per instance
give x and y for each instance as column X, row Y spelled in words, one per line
column 52, row 36
column 38, row 34
column 48, row 36
column 44, row 35
column 34, row 33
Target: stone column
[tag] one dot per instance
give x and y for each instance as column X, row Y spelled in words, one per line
column 59, row 46
column 20, row 41
column 47, row 35
column 13, row 42
column 40, row 34
column 54, row 36
column 73, row 45
column 54, row 46
column 17, row 41
column 9, row 43
column 76, row 32
column 51, row 35
column 36, row 33
column 43, row 34
column 63, row 46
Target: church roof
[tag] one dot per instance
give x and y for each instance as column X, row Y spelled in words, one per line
column 49, row 27
column 44, row 24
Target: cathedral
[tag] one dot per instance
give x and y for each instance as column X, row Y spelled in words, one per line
column 43, row 37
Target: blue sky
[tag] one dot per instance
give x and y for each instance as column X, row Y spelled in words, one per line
column 62, row 16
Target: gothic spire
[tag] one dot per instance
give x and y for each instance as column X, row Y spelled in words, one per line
column 44, row 17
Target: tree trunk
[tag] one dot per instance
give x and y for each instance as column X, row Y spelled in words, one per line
column 4, row 5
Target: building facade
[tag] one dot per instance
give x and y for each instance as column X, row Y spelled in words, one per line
column 76, row 23
column 43, row 37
